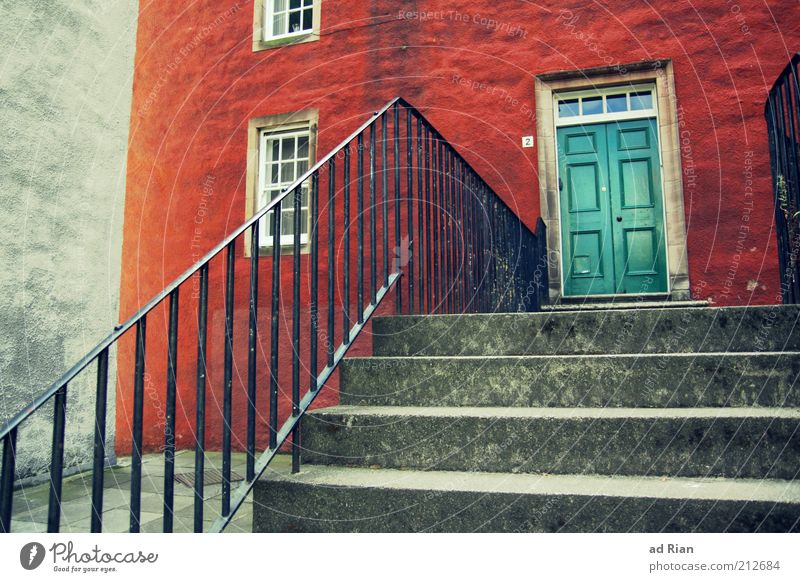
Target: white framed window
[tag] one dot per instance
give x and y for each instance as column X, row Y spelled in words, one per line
column 605, row 104
column 284, row 156
column 285, row 18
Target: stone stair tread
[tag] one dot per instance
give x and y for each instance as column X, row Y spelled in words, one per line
column 617, row 305
column 553, row 412
column 684, row 355
column 711, row 488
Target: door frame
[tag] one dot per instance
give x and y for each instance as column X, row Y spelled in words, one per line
column 660, row 74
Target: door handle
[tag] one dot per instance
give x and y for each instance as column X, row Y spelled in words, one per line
column 619, row 219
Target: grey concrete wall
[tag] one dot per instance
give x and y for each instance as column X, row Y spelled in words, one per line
column 66, row 71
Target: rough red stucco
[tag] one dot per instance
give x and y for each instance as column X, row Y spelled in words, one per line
column 198, row 82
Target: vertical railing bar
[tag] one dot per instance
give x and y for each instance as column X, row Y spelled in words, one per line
column 443, row 210
column 98, row 467
column 420, row 240
column 399, row 286
column 445, row 225
column 169, row 424
column 428, row 212
column 410, row 211
column 373, row 246
column 435, row 209
column 451, row 231
column 360, row 227
column 385, row 197
column 200, row 418
column 227, row 385
column 314, row 299
column 57, row 460
column 459, row 235
column 7, row 480
column 331, row 341
column 470, row 237
column 277, row 219
column 138, row 420
column 346, row 233
column 297, row 196
column 252, row 343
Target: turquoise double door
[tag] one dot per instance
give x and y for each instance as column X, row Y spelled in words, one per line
column 612, row 209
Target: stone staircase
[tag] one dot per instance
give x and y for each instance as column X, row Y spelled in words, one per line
column 656, row 419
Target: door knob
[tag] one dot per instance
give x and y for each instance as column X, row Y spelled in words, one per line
column 619, row 219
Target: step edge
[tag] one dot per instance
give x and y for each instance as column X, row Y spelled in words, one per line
column 559, row 413
column 708, row 488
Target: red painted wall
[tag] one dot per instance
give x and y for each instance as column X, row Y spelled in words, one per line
column 469, row 66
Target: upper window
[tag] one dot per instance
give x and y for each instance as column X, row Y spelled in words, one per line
column 284, row 156
column 285, row 18
column 609, row 103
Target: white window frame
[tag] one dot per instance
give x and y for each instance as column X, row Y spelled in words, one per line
column 605, row 117
column 269, row 12
column 262, row 194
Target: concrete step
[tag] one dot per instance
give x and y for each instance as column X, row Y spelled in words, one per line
column 622, row 304
column 673, row 380
column 772, row 328
column 686, row 442
column 337, row 499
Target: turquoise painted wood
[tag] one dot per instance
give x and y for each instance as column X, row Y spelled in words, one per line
column 612, row 225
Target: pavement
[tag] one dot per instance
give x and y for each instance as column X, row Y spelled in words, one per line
column 31, row 503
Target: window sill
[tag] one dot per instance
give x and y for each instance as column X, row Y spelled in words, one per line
column 265, row 252
column 263, row 45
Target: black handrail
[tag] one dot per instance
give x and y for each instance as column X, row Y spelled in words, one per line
column 782, row 111
column 468, row 252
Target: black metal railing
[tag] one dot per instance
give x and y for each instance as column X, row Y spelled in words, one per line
column 782, row 111
column 447, row 244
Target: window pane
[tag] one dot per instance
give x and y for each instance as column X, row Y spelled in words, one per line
column 592, row 105
column 287, row 172
column 275, row 150
column 287, row 222
column 304, row 222
column 616, row 103
column 274, row 178
column 287, row 148
column 568, row 108
column 295, row 3
column 302, row 166
column 294, row 21
column 280, row 5
column 279, row 23
column 307, row 20
column 302, row 146
column 641, row 100
column 308, row 2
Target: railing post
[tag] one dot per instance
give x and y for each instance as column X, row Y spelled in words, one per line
column 275, row 328
column 7, row 479
column 227, row 381
column 297, row 196
column 360, row 224
column 252, row 342
column 169, row 421
column 98, row 466
column 200, row 413
column 138, row 419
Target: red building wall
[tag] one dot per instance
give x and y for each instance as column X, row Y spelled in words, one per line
column 469, row 66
